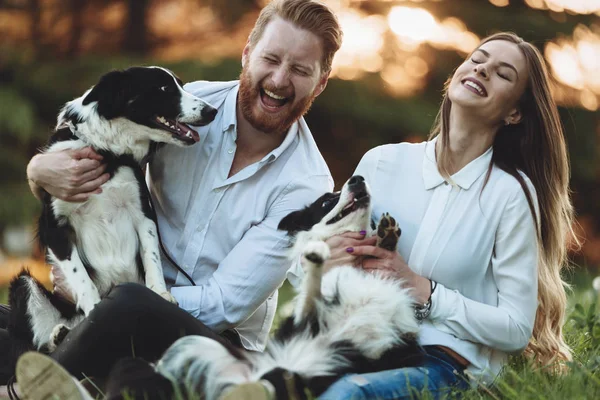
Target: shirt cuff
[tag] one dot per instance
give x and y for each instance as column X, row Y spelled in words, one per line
column 184, row 298
column 443, row 302
column 295, row 274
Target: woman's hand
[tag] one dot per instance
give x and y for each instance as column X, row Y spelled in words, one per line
column 70, row 175
column 391, row 264
column 339, row 246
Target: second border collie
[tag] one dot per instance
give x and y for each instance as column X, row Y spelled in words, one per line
column 344, row 321
column 111, row 238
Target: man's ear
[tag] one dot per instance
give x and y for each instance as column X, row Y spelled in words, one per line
column 322, row 83
column 514, row 117
column 246, row 54
column 112, row 92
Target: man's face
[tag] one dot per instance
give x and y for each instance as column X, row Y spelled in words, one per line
column 281, row 77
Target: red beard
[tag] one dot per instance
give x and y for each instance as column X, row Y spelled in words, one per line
column 249, row 94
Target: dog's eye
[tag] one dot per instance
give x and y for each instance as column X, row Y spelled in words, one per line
column 165, row 88
column 327, row 203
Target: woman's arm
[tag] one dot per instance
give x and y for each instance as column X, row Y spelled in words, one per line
column 505, row 326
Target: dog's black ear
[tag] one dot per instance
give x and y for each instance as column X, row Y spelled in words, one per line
column 295, row 222
column 112, row 93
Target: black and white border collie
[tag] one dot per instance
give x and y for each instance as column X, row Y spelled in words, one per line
column 344, row 321
column 112, row 237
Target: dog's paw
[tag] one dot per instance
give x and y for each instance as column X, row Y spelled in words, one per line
column 316, row 252
column 169, row 297
column 57, row 336
column 388, row 233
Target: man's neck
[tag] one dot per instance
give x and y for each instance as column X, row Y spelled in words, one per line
column 469, row 139
column 252, row 144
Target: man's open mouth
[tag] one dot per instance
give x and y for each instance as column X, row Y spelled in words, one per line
column 360, row 200
column 178, row 129
column 272, row 100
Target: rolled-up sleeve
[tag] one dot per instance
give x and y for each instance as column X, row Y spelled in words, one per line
column 508, row 325
column 255, row 268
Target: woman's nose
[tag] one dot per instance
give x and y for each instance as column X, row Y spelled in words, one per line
column 480, row 69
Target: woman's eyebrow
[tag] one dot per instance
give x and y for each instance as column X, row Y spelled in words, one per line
column 502, row 63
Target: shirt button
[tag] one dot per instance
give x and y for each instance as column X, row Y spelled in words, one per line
column 230, row 151
column 445, row 182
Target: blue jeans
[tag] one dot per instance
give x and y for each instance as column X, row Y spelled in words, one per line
column 436, row 378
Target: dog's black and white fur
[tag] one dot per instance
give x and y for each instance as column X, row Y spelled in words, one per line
column 346, row 320
column 112, row 237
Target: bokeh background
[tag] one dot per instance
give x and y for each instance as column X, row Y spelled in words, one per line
column 385, row 87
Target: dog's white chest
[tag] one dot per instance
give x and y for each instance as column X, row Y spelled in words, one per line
column 105, row 228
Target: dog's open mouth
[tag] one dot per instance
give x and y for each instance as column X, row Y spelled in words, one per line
column 178, row 129
column 360, row 200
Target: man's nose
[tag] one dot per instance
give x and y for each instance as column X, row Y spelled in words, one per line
column 280, row 77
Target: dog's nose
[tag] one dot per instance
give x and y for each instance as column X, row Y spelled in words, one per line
column 355, row 180
column 208, row 113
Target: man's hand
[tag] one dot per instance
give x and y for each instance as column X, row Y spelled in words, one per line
column 70, row 175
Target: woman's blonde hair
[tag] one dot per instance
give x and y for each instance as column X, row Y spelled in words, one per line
column 535, row 146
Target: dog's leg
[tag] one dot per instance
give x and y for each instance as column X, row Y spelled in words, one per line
column 313, row 258
column 85, row 292
column 388, row 233
column 154, row 277
column 36, row 312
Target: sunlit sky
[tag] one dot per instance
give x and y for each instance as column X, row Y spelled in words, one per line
column 396, row 44
column 390, row 45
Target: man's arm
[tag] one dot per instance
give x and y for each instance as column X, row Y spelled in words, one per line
column 255, row 267
column 70, row 175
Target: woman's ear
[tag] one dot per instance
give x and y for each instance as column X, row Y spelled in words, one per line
column 514, row 117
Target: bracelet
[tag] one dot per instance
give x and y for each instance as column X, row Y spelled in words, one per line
column 423, row 311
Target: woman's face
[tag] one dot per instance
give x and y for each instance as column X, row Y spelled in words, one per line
column 491, row 82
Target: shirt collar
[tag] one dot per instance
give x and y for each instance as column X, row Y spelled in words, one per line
column 463, row 178
column 229, row 118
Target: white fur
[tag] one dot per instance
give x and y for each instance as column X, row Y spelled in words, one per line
column 372, row 310
column 357, row 221
column 305, row 355
column 202, row 366
column 110, row 227
column 373, row 313
column 43, row 323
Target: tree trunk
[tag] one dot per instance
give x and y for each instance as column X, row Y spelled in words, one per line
column 135, row 38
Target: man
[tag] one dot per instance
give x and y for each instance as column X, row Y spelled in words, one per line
column 219, row 202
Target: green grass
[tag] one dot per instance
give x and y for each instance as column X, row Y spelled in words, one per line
column 3, row 295
column 519, row 380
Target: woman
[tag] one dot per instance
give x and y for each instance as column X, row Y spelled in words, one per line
column 485, row 212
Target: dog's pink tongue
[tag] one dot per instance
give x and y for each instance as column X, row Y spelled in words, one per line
column 188, row 132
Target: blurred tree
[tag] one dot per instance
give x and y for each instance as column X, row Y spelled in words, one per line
column 350, row 117
column 232, row 11
column 135, row 37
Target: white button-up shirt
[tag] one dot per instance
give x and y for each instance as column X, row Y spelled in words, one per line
column 480, row 246
column 223, row 231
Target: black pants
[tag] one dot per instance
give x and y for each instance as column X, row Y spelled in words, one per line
column 5, row 344
column 131, row 321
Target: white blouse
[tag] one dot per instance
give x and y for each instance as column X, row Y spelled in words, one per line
column 480, row 246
